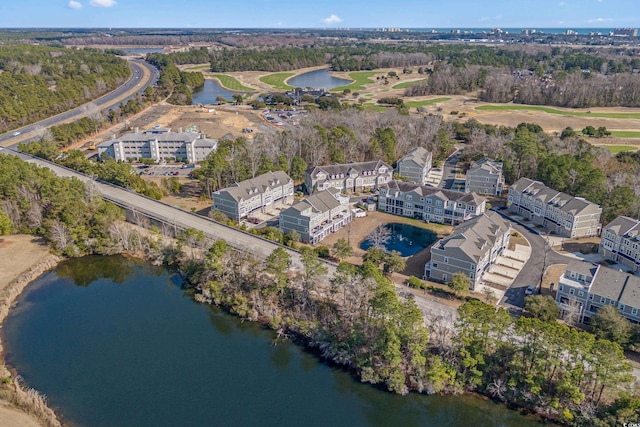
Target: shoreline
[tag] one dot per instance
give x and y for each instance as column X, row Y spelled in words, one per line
column 19, row 406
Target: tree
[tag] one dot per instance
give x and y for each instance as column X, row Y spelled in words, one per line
column 5, row 224
column 610, row 325
column 379, row 237
column 277, row 264
column 459, row 283
column 237, row 98
column 313, row 271
column 393, row 262
column 542, row 307
column 342, row 249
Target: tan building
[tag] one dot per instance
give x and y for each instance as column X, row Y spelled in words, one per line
column 239, row 200
column 556, row 211
column 350, row 177
column 471, row 249
column 484, row 177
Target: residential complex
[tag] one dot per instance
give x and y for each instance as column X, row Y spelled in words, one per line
column 620, row 240
column 415, row 165
column 317, row 216
column 558, row 212
column 350, row 177
column 485, row 177
column 258, row 193
column 471, row 249
column 159, row 144
column 429, row 203
column 584, row 288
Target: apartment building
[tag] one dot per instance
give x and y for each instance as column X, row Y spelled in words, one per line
column 159, row 144
column 557, row 212
column 620, row 241
column 239, row 200
column 485, row 177
column 415, row 165
column 429, row 203
column 471, row 249
column 350, row 177
column 317, row 216
column 584, row 288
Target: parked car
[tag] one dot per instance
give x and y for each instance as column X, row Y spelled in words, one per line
column 16, row 133
column 530, row 290
column 253, row 220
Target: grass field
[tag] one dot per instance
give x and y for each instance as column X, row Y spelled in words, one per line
column 372, row 107
column 360, row 78
column 559, row 112
column 405, row 85
column 615, row 149
column 625, row 134
column 231, row 83
column 201, row 67
column 277, row 80
column 416, row 104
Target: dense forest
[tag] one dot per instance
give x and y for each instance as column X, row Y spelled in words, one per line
column 37, row 82
column 177, row 85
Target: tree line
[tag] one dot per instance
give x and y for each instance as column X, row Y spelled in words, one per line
column 177, row 85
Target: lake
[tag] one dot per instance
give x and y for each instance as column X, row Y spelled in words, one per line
column 317, row 79
column 404, row 238
column 209, row 93
column 117, row 342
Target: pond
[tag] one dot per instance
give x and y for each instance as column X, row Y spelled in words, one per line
column 317, row 79
column 404, row 238
column 113, row 341
column 209, row 93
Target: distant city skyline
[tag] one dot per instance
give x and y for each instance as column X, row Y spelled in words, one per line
column 326, row 14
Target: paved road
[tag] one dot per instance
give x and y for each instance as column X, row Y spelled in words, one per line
column 238, row 239
column 448, row 171
column 143, row 74
column 542, row 256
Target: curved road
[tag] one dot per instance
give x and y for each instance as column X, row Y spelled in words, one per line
column 143, row 75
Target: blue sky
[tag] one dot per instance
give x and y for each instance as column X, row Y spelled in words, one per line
column 320, row 13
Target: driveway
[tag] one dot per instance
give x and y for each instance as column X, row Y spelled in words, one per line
column 449, row 171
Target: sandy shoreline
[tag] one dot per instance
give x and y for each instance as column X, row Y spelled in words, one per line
column 23, row 259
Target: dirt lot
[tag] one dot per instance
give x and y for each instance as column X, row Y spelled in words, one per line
column 585, row 246
column 17, row 254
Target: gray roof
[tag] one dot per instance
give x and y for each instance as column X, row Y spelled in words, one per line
column 564, row 202
column 617, row 285
column 418, row 154
column 582, row 267
column 623, row 225
column 247, row 189
column 486, row 164
column 320, row 202
column 165, row 136
column 424, row 190
column 346, row 167
column 474, row 238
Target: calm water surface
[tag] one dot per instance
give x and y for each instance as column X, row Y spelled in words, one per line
column 209, row 93
column 406, row 239
column 317, row 79
column 116, row 342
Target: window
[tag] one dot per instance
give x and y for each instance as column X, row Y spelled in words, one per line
column 591, row 297
column 580, row 294
column 434, row 265
column 444, row 277
column 446, row 260
column 621, row 307
column 612, row 302
column 602, row 300
column 634, row 311
column 572, row 291
column 560, row 288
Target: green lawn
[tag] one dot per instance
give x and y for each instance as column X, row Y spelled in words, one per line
column 406, row 84
column 615, row 149
column 201, row 67
column 416, row 104
column 625, row 134
column 277, row 80
column 360, row 78
column 373, row 107
column 560, row 112
column 231, row 83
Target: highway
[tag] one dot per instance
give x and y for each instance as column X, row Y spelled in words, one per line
column 143, row 74
column 238, row 239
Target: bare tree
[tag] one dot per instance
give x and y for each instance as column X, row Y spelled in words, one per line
column 379, row 237
column 60, row 235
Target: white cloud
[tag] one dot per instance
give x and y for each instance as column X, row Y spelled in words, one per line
column 102, row 3
column 333, row 19
column 591, row 21
column 73, row 4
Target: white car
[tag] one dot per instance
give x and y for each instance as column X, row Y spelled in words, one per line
column 530, row 290
column 16, row 133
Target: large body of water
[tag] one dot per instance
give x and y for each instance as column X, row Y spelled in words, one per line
column 404, row 238
column 317, row 79
column 209, row 93
column 117, row 342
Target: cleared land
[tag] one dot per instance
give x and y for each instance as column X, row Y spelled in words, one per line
column 416, row 104
column 231, row 83
column 277, row 80
column 560, row 112
column 360, row 80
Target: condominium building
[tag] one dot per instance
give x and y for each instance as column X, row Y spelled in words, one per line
column 350, row 177
column 471, row 249
column 239, row 200
column 415, row 165
column 620, row 242
column 159, row 144
column 557, row 212
column 429, row 203
column 317, row 216
column 584, row 288
column 485, row 177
